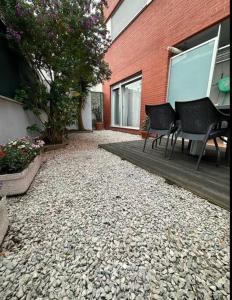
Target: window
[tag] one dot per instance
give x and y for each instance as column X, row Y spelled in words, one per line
column 126, row 99
column 126, row 12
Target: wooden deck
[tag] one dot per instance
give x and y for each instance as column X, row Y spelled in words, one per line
column 210, row 182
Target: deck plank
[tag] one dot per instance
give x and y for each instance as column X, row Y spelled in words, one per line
column 210, row 182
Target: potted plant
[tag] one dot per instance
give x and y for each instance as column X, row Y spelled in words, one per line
column 19, row 162
column 144, row 127
column 99, row 125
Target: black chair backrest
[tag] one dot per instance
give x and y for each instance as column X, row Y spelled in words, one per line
column 196, row 116
column 161, row 116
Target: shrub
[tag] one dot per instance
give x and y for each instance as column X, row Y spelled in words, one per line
column 16, row 155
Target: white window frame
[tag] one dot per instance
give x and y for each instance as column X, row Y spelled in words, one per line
column 120, row 87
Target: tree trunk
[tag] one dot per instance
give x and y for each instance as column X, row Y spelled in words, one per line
column 79, row 116
column 52, row 134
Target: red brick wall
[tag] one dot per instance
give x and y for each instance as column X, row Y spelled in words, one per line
column 143, row 45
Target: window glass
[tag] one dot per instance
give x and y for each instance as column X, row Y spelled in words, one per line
column 131, row 104
column 125, row 14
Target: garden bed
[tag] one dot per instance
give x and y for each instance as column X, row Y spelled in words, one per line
column 18, row 183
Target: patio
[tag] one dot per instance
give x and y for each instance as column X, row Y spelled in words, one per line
column 210, row 182
column 94, row 226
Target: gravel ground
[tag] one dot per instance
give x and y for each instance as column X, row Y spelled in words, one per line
column 93, row 226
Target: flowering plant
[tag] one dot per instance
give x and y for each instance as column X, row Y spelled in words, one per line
column 16, row 155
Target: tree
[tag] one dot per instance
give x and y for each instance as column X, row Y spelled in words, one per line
column 64, row 41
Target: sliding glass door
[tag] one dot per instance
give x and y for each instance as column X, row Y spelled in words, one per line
column 126, row 100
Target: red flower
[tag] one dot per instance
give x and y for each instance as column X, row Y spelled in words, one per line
column 2, row 154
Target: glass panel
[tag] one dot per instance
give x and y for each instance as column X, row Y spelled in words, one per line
column 131, row 104
column 116, row 107
column 189, row 74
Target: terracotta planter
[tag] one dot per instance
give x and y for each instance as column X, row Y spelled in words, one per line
column 99, row 125
column 18, row 183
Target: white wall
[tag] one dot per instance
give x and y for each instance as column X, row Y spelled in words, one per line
column 86, row 116
column 14, row 120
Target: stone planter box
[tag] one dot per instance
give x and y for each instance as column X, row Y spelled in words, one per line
column 4, row 220
column 18, row 183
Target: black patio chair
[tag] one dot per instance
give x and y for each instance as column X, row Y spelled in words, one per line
column 200, row 120
column 161, row 122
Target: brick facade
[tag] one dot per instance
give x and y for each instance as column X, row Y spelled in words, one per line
column 142, row 47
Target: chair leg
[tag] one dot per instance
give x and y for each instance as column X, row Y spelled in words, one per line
column 189, row 145
column 206, row 138
column 152, row 146
column 173, row 146
column 145, row 142
column 182, row 145
column 201, row 154
column 156, row 144
column 166, row 146
column 222, row 139
column 155, row 141
column 172, row 139
column 218, row 151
